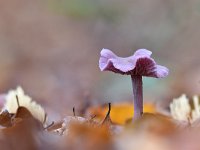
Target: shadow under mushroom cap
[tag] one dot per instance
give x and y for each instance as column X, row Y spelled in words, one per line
column 140, row 63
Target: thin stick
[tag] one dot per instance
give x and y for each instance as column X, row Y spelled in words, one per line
column 92, row 117
column 45, row 118
column 74, row 112
column 17, row 101
column 49, row 125
column 108, row 113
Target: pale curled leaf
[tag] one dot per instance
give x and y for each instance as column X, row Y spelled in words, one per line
column 24, row 100
column 182, row 109
column 62, row 126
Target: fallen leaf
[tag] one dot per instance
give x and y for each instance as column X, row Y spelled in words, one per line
column 24, row 100
column 22, row 135
column 120, row 112
column 6, row 118
column 23, row 112
column 83, row 136
column 154, row 123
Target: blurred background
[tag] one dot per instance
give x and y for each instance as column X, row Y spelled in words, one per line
column 51, row 48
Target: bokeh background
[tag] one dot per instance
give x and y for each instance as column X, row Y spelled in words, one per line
column 51, row 48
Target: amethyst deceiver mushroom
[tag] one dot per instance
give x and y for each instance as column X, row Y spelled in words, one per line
column 138, row 65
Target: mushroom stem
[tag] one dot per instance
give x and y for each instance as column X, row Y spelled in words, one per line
column 138, row 96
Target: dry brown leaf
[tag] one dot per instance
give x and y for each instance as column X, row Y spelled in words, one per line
column 22, row 135
column 155, row 123
column 23, row 112
column 87, row 137
column 6, row 118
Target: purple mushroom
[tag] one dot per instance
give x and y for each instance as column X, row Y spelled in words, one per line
column 138, row 65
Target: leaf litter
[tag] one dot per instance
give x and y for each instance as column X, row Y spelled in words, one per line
column 22, row 129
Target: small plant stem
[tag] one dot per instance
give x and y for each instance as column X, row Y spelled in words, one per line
column 137, row 95
column 74, row 112
column 107, row 118
column 17, row 98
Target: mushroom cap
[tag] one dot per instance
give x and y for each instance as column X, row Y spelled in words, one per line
column 140, row 63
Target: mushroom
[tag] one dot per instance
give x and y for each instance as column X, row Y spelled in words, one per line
column 138, row 65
